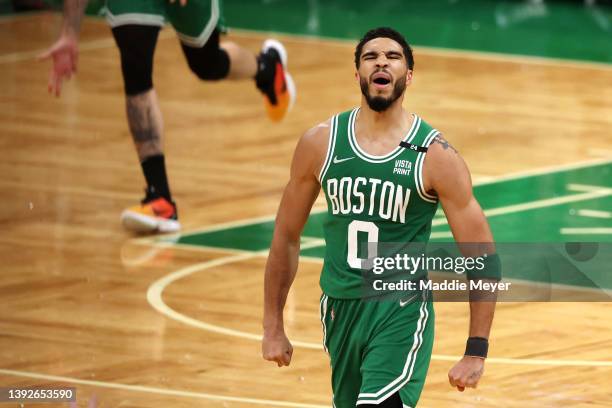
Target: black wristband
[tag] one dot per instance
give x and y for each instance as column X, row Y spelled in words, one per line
column 477, row 347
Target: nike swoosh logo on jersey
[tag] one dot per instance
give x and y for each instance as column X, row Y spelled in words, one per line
column 336, row 160
column 403, row 303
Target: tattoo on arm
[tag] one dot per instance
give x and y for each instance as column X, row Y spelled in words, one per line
column 444, row 143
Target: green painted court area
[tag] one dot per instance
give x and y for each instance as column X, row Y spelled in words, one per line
column 559, row 206
column 566, row 205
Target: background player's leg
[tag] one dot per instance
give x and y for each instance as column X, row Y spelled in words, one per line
column 226, row 61
column 243, row 63
column 146, row 127
column 214, row 61
column 137, row 46
column 211, row 61
column 146, row 124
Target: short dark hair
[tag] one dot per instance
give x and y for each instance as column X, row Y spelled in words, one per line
column 385, row 32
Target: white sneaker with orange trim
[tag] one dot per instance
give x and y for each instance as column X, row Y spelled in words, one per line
column 156, row 215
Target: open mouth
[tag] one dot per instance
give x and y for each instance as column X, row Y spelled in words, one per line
column 381, row 81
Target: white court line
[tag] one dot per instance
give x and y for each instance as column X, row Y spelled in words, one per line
column 441, row 234
column 215, row 227
column 594, row 214
column 592, row 192
column 586, row 231
column 155, row 390
column 545, row 170
column 587, row 187
column 154, row 297
column 306, row 239
column 191, row 247
column 549, row 202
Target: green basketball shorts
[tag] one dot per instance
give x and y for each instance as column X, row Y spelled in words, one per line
column 377, row 348
column 194, row 22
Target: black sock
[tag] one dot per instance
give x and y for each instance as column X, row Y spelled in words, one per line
column 154, row 169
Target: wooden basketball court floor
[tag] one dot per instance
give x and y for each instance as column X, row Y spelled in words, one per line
column 174, row 321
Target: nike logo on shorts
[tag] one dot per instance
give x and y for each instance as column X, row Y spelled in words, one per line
column 403, row 303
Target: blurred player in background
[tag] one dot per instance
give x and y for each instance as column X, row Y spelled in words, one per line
column 135, row 26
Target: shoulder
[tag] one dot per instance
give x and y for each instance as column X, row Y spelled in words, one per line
column 444, row 165
column 318, row 135
column 312, row 147
column 441, row 149
column 315, row 140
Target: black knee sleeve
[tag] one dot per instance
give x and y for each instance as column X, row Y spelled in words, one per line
column 137, row 46
column 209, row 62
column 393, row 401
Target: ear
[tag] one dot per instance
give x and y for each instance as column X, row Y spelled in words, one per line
column 408, row 77
column 357, row 76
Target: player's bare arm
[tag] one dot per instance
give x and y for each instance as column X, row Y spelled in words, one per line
column 299, row 195
column 65, row 51
column 447, row 174
column 73, row 15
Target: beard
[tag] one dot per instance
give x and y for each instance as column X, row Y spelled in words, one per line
column 380, row 103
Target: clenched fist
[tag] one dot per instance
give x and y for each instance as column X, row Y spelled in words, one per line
column 466, row 373
column 276, row 347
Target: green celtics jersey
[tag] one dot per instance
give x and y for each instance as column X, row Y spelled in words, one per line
column 371, row 199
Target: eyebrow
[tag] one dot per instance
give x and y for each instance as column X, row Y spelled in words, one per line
column 396, row 53
column 369, row 54
column 387, row 53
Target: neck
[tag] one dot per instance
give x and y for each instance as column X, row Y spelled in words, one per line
column 374, row 123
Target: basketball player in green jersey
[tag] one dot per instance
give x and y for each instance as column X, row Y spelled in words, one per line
column 383, row 171
column 135, row 26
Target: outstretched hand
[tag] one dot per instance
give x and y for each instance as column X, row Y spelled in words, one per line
column 65, row 54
